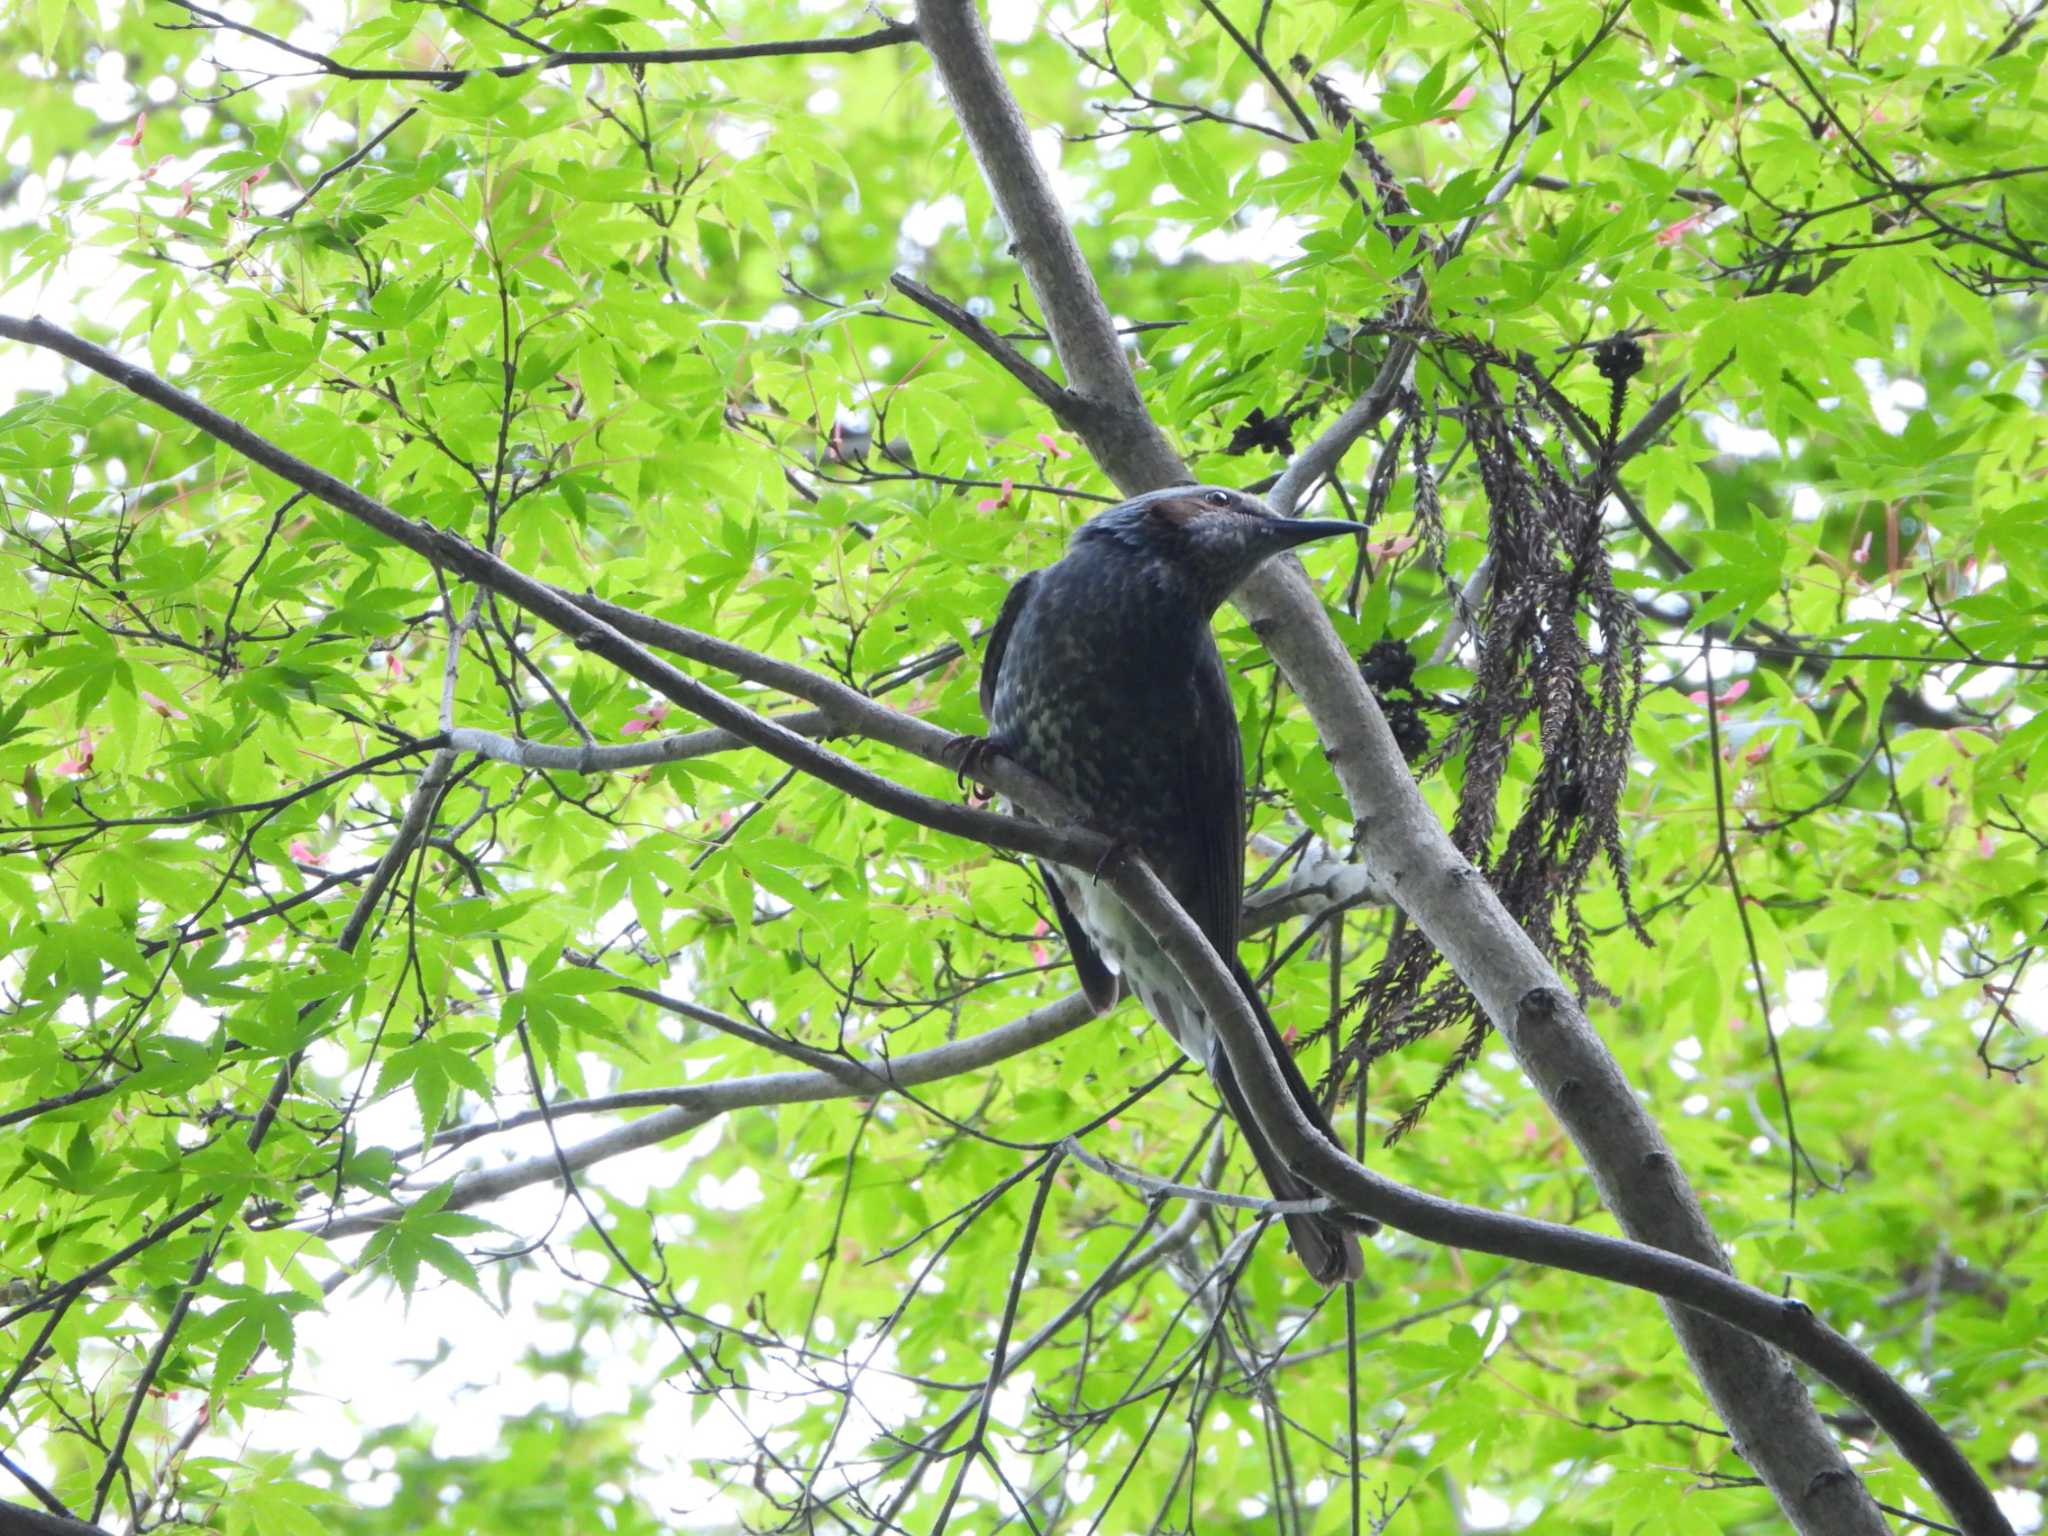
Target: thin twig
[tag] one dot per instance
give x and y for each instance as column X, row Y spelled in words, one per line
column 1065, row 405
column 891, row 35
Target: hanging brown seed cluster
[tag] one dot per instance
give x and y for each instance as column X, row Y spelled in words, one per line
column 1557, row 645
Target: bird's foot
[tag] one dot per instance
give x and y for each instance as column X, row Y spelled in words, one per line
column 1119, row 849
column 973, row 754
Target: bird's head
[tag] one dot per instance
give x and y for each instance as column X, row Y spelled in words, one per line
column 1212, row 536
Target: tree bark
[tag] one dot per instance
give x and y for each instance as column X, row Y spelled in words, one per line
column 20, row 1520
column 1752, row 1385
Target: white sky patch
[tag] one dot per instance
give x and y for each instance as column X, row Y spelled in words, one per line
column 2022, row 1506
column 1486, row 1511
column 1804, row 1005
column 1013, row 21
column 1252, row 106
column 926, row 223
column 107, row 94
column 1075, row 193
column 1261, row 235
column 445, row 1354
column 1355, row 88
column 1738, row 438
column 741, row 139
column 1088, row 31
column 737, row 1192
column 1892, row 400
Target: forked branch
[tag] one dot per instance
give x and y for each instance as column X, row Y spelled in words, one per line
column 1754, row 1389
column 1789, row 1324
column 1695, row 1287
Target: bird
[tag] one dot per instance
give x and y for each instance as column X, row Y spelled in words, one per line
column 1101, row 676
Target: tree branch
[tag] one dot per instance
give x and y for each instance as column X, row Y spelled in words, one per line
column 1320, row 880
column 887, row 36
column 1068, row 407
column 1116, row 426
column 1322, row 456
column 553, row 757
column 1790, row 1324
column 19, row 1520
column 1753, row 1388
column 684, row 1109
column 1061, row 836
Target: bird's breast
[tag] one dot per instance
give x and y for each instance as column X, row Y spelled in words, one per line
column 1129, row 950
column 1098, row 691
column 1110, row 689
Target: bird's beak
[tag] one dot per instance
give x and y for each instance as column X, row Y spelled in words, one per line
column 1287, row 532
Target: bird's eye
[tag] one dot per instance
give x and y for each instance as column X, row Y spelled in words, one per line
column 1217, row 498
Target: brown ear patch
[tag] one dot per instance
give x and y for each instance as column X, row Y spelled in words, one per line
column 1177, row 513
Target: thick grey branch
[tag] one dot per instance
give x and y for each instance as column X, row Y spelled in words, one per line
column 20, row 1520
column 1465, row 606
column 1320, row 879
column 1752, row 1387
column 1645, row 431
column 1321, row 457
column 1116, row 426
column 1677, row 1279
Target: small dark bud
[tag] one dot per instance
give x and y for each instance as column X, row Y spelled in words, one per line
column 1388, row 665
column 1410, row 730
column 1274, row 434
column 1389, row 671
column 1619, row 358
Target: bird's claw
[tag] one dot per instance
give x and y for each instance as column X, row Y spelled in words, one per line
column 974, row 754
column 1118, row 850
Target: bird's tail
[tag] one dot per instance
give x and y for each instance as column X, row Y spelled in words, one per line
column 1326, row 1243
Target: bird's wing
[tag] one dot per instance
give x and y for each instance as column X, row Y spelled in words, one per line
column 999, row 638
column 1097, row 984
column 1211, row 886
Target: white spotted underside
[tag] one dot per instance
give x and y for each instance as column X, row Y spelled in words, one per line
column 1132, row 953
